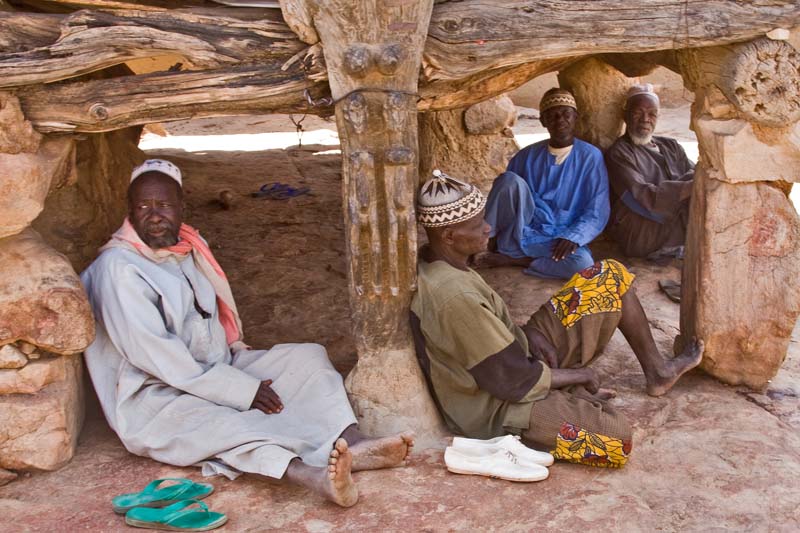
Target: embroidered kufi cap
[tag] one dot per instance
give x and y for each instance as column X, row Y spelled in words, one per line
column 158, row 165
column 444, row 201
column 556, row 97
column 645, row 89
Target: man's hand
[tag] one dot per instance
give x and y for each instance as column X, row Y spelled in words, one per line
column 266, row 400
column 563, row 248
column 587, row 377
column 540, row 347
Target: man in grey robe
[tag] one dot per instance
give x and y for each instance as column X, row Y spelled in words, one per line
column 651, row 181
column 175, row 380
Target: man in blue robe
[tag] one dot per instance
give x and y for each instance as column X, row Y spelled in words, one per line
column 552, row 200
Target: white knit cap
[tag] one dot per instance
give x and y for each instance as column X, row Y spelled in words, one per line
column 158, row 165
column 645, row 89
column 444, row 201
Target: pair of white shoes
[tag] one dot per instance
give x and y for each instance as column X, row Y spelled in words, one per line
column 501, row 457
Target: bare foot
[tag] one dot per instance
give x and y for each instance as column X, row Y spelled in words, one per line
column 495, row 259
column 381, row 452
column 675, row 368
column 338, row 485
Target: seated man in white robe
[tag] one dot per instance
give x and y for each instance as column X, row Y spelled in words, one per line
column 177, row 383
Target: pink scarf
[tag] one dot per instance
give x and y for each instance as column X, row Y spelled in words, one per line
column 189, row 241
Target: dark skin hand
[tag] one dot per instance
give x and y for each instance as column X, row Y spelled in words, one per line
column 540, row 347
column 266, row 399
column 563, row 248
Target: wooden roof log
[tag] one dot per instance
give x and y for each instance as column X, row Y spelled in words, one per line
column 109, row 104
column 473, row 35
column 65, row 6
column 93, row 40
column 464, row 38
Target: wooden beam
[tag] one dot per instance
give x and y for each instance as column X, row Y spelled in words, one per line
column 464, row 38
column 61, row 6
column 467, row 37
column 104, row 105
column 93, row 40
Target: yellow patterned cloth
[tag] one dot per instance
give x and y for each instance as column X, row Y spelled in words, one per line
column 595, row 289
column 577, row 445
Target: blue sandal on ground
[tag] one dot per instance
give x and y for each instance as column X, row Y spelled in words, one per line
column 189, row 515
column 279, row 191
column 153, row 496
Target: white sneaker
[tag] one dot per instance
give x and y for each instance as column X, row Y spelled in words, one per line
column 501, row 464
column 510, row 443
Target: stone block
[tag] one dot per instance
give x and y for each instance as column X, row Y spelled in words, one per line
column 740, row 289
column 445, row 143
column 6, row 476
column 26, row 179
column 79, row 218
column 599, row 90
column 12, row 357
column 748, row 153
column 39, row 431
column 16, row 134
column 34, row 376
column 42, row 300
column 495, row 115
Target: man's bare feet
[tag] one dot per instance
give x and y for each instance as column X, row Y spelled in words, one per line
column 333, row 482
column 675, row 368
column 495, row 259
column 338, row 486
column 381, row 452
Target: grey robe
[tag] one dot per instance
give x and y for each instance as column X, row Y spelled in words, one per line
column 171, row 389
column 650, row 194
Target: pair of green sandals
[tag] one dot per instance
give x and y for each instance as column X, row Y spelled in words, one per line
column 174, row 507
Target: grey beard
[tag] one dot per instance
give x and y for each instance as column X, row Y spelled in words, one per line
column 641, row 141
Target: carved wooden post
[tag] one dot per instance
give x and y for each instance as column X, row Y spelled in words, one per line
column 740, row 288
column 373, row 52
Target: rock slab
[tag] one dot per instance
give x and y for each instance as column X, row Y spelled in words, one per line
column 42, row 300
column 740, row 292
column 12, row 357
column 26, row 179
column 34, row 376
column 39, row 431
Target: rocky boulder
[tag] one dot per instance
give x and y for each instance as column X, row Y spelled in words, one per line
column 42, row 300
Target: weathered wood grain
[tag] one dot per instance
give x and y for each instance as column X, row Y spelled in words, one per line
column 104, row 105
column 93, row 40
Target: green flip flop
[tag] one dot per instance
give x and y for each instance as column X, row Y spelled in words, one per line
column 153, row 496
column 188, row 515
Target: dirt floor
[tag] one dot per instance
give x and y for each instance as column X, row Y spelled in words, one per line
column 707, row 457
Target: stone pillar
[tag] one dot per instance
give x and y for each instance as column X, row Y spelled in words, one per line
column 740, row 281
column 599, row 90
column 373, row 52
column 474, row 143
column 45, row 318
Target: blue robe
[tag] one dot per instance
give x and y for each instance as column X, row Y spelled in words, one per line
column 566, row 201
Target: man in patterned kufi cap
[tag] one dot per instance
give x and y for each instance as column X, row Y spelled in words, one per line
column 551, row 201
column 490, row 377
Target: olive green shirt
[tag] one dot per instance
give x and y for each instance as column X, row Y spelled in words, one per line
column 474, row 356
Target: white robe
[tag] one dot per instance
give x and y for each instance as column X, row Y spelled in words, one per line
column 171, row 390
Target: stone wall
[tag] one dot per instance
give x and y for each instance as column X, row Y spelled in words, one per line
column 474, row 144
column 72, row 191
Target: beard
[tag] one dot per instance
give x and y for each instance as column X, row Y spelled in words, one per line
column 641, row 139
column 167, row 239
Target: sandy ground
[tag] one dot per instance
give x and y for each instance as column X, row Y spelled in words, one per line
column 707, row 457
